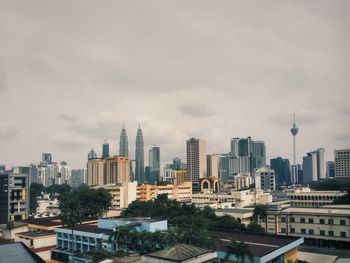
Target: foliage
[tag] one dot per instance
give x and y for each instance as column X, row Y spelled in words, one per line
column 34, row 191
column 255, row 228
column 343, row 200
column 181, row 215
column 100, row 254
column 56, row 190
column 260, row 213
column 240, row 250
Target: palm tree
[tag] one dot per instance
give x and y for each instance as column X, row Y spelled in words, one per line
column 260, row 212
column 240, row 250
column 121, row 237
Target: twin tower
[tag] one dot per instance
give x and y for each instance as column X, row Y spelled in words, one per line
column 139, row 152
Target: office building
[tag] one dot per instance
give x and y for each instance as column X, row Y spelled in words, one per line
column 177, row 164
column 14, row 199
column 117, row 170
column 105, row 149
column 92, row 155
column 330, row 169
column 123, row 143
column 2, row 168
column 46, row 158
column 33, row 174
column 196, row 161
column 342, row 164
column 153, row 171
column 79, row 177
column 313, row 166
column 265, row 179
column 181, row 193
column 139, row 158
column 95, row 172
column 282, row 170
column 259, row 154
column 225, row 168
column 54, row 173
column 213, row 166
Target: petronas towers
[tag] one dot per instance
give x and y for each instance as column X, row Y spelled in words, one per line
column 139, row 153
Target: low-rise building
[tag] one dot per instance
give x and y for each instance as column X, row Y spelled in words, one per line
column 305, row 197
column 181, row 193
column 242, row 215
column 327, row 226
column 265, row 178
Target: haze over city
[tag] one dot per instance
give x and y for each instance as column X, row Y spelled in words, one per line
column 70, row 74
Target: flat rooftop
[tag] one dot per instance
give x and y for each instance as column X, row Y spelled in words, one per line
column 319, row 210
column 235, row 210
column 91, row 228
column 34, row 234
column 52, row 221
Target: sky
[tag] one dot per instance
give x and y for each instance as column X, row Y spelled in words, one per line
column 72, row 71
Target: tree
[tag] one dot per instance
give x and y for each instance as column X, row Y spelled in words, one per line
column 255, row 228
column 35, row 190
column 80, row 203
column 260, row 213
column 240, row 250
column 100, row 254
column 343, row 200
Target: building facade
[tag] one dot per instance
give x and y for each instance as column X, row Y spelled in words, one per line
column 181, row 193
column 282, row 170
column 123, row 143
column 265, row 179
column 342, row 164
column 139, row 158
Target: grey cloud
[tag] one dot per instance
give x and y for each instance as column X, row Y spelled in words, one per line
column 68, row 117
column 3, row 82
column 8, row 133
column 196, row 110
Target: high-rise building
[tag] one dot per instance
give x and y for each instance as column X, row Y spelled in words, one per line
column 330, row 169
column 139, row 158
column 342, row 164
column 154, row 164
column 212, row 166
column 313, row 166
column 265, row 178
column 2, row 168
column 196, row 161
column 14, row 199
column 310, row 167
column 282, row 170
column 92, row 155
column 117, row 170
column 259, row 154
column 46, row 158
column 177, row 164
column 105, row 149
column 78, row 177
column 96, row 172
column 123, row 143
column 33, row 174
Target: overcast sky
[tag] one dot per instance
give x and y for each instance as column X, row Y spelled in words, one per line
column 72, row 71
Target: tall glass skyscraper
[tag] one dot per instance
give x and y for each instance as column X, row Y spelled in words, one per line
column 154, row 164
column 139, row 158
column 123, row 143
column 105, row 150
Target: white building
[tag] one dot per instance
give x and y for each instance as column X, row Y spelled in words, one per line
column 242, row 181
column 265, row 179
column 342, row 164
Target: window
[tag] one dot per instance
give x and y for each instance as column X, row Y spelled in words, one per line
column 292, row 230
column 311, row 231
column 322, row 233
column 292, row 219
column 303, row 231
column 331, row 233
column 342, row 222
column 302, row 220
column 283, row 230
column 283, row 219
column 321, row 221
column 330, row 221
column 311, row 220
column 343, row 234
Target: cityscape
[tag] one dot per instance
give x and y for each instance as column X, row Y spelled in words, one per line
column 138, row 145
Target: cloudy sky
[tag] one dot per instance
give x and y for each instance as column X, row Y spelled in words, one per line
column 72, row 71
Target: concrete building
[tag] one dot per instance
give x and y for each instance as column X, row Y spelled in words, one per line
column 330, row 169
column 265, row 179
column 213, row 166
column 242, row 181
column 14, row 197
column 305, row 197
column 79, row 177
column 314, row 166
column 196, row 161
column 122, row 194
column 95, row 172
column 342, row 164
column 154, row 165
column 87, row 238
column 181, row 193
column 327, row 226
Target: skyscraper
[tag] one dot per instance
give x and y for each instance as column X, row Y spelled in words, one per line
column 154, row 164
column 196, row 161
column 92, row 155
column 330, row 169
column 212, row 166
column 105, row 149
column 282, row 170
column 310, row 167
column 294, row 169
column 123, row 143
column 139, row 158
column 47, row 158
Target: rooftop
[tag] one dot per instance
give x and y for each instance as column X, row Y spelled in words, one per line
column 17, row 253
column 319, row 210
column 52, row 221
column 35, row 234
column 180, row 252
column 235, row 210
column 91, row 228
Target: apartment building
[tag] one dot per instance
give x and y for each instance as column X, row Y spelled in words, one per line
column 181, row 193
column 327, row 226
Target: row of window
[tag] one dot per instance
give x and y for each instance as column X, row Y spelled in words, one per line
column 312, row 232
column 311, row 221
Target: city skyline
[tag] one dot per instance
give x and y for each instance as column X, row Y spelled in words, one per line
column 71, row 73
